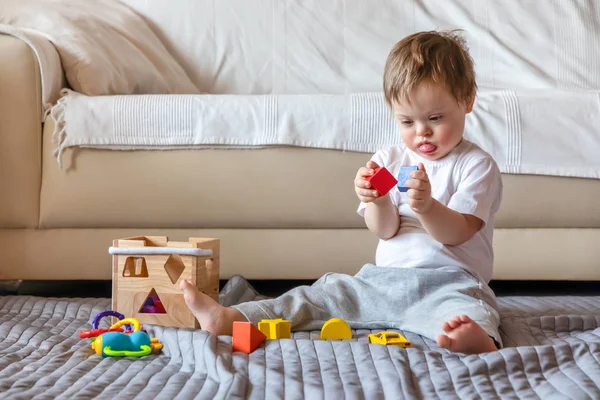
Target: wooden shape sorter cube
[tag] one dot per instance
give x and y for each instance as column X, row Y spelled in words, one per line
column 147, row 272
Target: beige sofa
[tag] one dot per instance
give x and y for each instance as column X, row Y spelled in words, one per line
column 281, row 213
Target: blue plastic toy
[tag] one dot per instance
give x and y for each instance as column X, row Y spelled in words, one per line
column 403, row 176
column 119, row 344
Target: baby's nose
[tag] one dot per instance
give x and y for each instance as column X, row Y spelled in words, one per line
column 423, row 131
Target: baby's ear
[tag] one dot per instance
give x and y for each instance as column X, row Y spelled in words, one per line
column 469, row 103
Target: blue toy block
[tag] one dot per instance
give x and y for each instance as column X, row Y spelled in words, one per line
column 403, row 176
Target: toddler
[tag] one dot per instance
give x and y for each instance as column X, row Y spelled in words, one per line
column 434, row 256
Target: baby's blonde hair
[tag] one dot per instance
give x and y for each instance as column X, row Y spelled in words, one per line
column 438, row 57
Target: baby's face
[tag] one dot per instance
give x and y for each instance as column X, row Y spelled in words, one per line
column 433, row 123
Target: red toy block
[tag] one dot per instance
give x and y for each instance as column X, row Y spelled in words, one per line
column 382, row 180
column 246, row 337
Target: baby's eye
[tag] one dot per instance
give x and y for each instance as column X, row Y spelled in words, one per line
column 435, row 118
column 406, row 122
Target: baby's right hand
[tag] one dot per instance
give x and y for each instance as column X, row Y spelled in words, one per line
column 362, row 187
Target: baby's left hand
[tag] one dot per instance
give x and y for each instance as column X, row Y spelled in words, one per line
column 419, row 193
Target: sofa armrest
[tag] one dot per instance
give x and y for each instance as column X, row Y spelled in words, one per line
column 21, row 110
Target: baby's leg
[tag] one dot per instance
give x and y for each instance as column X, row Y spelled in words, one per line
column 463, row 335
column 461, row 314
column 306, row 307
column 348, row 297
column 212, row 316
column 361, row 300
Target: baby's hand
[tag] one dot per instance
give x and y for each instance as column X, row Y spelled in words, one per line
column 362, row 187
column 419, row 192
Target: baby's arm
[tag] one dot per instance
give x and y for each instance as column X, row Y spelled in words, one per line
column 469, row 207
column 380, row 213
column 448, row 226
column 382, row 218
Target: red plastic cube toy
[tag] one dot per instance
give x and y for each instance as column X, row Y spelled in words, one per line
column 382, row 181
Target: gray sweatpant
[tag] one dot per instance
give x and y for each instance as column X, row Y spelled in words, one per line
column 418, row 300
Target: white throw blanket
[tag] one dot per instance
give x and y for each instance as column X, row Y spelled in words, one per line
column 546, row 132
column 529, row 131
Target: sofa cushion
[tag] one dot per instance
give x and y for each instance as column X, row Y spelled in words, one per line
column 105, row 46
column 20, row 134
column 284, row 187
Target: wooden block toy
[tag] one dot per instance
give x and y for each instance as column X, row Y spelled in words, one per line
column 147, row 271
column 403, row 176
column 382, row 180
column 275, row 328
column 336, row 329
column 246, row 337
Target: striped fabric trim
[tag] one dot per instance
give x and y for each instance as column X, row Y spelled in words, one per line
column 485, row 53
column 513, row 132
column 271, row 120
column 574, row 43
column 372, row 120
column 175, row 116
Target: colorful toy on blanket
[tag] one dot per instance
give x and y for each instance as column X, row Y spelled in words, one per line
column 246, row 337
column 389, row 338
column 119, row 344
column 96, row 331
column 275, row 328
column 336, row 329
column 116, row 342
column 403, row 176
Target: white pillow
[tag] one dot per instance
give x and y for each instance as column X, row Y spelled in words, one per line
column 105, row 47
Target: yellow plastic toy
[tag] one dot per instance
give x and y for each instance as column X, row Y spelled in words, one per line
column 336, row 329
column 389, row 338
column 275, row 328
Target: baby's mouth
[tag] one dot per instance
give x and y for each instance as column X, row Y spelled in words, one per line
column 427, row 148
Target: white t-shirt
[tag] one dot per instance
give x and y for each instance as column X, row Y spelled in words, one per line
column 468, row 181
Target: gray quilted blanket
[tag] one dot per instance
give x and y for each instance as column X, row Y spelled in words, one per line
column 553, row 352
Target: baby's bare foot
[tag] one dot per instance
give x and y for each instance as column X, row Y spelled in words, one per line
column 212, row 316
column 463, row 335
